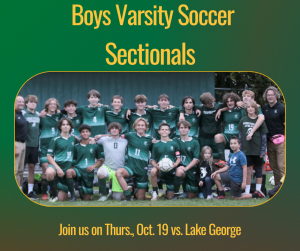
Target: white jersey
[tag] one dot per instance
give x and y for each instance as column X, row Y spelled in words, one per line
column 114, row 152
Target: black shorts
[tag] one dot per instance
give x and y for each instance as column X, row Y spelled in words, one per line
column 235, row 187
column 31, row 155
column 254, row 160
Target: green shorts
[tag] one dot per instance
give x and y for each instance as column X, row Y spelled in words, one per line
column 191, row 184
column 61, row 182
column 211, row 143
column 168, row 178
column 112, row 176
column 227, row 138
column 141, row 176
column 86, row 179
column 43, row 158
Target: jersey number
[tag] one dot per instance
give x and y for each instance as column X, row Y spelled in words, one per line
column 137, row 152
column 183, row 158
column 53, row 130
column 86, row 161
column 231, row 127
column 95, row 119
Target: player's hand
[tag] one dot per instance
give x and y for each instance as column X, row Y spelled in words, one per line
column 17, row 153
column 171, row 106
column 154, row 140
column 97, row 137
column 157, row 167
column 128, row 113
column 60, row 173
column 249, row 136
column 182, row 167
column 43, row 113
column 90, row 169
column 198, row 112
column 201, row 183
column 261, row 156
column 92, row 141
column 218, row 115
column 78, row 139
column 213, row 175
column 181, row 117
column 240, row 104
column 243, row 185
column 174, row 165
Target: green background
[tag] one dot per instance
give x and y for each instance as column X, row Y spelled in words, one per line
column 38, row 36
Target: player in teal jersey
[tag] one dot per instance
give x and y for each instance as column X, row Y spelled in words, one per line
column 85, row 155
column 140, row 102
column 139, row 145
column 70, row 107
column 165, row 148
column 60, row 157
column 231, row 119
column 48, row 128
column 189, row 153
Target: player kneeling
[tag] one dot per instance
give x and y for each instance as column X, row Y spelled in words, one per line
column 237, row 175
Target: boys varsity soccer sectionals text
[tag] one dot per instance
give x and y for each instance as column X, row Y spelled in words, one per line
column 144, row 54
column 109, row 229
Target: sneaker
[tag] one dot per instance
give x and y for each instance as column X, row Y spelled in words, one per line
column 214, row 195
column 183, row 195
column 221, row 197
column 209, row 197
column 103, row 198
column 128, row 198
column 161, row 195
column 201, row 196
column 175, row 197
column 53, row 199
column 73, row 199
column 32, row 196
column 44, row 197
column 155, row 197
column 259, row 194
column 109, row 194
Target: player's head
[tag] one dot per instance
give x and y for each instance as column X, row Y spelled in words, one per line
column 65, row 125
column 31, row 102
column 140, row 101
column 271, row 94
column 19, row 105
column 114, row 128
column 230, row 99
column 188, row 102
column 70, row 106
column 247, row 96
column 207, row 99
column 235, row 144
column 51, row 105
column 183, row 127
column 251, row 108
column 85, row 131
column 93, row 97
column 140, row 125
column 117, row 102
column 164, row 129
column 163, row 101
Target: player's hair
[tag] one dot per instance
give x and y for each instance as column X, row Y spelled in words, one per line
column 49, row 101
column 206, row 98
column 186, row 98
column 184, row 123
column 60, row 122
column 114, row 125
column 251, row 93
column 117, row 97
column 93, row 93
column 140, row 98
column 275, row 90
column 31, row 98
column 138, row 120
column 232, row 96
column 163, row 124
column 70, row 102
column 253, row 104
column 236, row 138
column 211, row 158
column 163, row 96
column 84, row 127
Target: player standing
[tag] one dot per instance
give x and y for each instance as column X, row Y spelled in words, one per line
column 70, row 107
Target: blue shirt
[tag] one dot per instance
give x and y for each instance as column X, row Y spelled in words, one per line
column 235, row 162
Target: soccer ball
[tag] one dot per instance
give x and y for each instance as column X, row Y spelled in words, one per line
column 272, row 181
column 165, row 164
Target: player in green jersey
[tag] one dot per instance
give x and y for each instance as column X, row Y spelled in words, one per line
column 60, row 158
column 85, row 155
column 165, row 148
column 48, row 128
column 70, row 107
column 189, row 153
column 139, row 145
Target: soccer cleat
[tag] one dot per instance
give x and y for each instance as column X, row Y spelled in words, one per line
column 73, row 199
column 183, row 195
column 175, row 197
column 53, row 199
column 201, row 196
column 109, row 194
column 221, row 197
column 209, row 197
column 32, row 196
column 161, row 195
column 259, row 194
column 44, row 197
column 155, row 197
column 128, row 198
column 103, row 198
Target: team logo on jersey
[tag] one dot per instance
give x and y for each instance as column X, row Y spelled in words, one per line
column 91, row 150
column 99, row 109
column 122, row 116
column 193, row 119
column 275, row 111
column 236, row 116
column 77, row 121
column 73, row 143
column 248, row 131
column 189, row 149
column 172, row 148
column 170, row 113
column 115, row 145
column 145, row 143
column 56, row 119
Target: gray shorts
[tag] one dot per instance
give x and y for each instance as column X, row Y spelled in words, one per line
column 235, row 187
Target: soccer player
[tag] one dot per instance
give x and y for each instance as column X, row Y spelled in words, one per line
column 139, row 145
column 237, row 166
column 85, row 155
column 114, row 152
column 49, row 130
column 70, row 107
column 231, row 119
column 165, row 148
column 60, row 157
column 189, row 150
column 32, row 141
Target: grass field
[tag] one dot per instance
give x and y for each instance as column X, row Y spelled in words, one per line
column 163, row 202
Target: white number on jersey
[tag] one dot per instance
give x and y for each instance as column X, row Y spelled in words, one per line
column 183, row 158
column 95, row 119
column 69, row 155
column 72, row 132
column 231, row 127
column 86, row 161
column 53, row 130
column 137, row 152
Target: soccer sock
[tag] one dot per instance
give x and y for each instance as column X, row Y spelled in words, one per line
column 247, row 190
column 160, row 184
column 177, row 183
column 44, row 186
column 258, row 187
column 102, row 186
column 53, row 187
column 155, row 189
column 222, row 193
column 221, row 149
column 30, row 188
column 254, row 195
column 127, row 193
column 70, row 183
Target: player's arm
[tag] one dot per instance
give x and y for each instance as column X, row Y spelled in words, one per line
column 92, row 167
column 263, row 145
column 244, row 176
column 218, row 114
column 51, row 161
column 260, row 120
column 155, row 164
column 177, row 162
column 221, row 170
column 153, row 158
column 192, row 164
column 151, row 106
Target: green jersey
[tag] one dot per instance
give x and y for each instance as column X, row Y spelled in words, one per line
column 85, row 155
column 120, row 117
column 231, row 121
column 94, row 117
column 33, row 129
column 77, row 121
column 167, row 116
column 62, row 149
column 146, row 116
column 138, row 150
column 189, row 150
column 194, row 120
column 162, row 149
